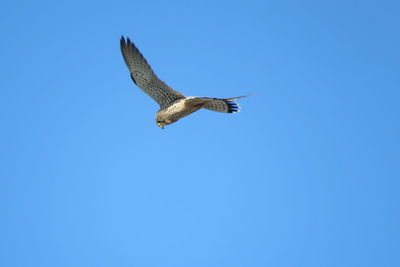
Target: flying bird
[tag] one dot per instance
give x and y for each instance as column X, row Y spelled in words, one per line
column 173, row 104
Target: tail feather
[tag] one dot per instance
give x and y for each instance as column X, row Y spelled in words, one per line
column 226, row 105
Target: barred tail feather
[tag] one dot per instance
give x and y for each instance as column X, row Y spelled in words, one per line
column 226, row 105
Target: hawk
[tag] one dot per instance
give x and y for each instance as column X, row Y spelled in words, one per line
column 173, row 104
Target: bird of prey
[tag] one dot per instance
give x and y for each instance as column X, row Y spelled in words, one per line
column 173, row 104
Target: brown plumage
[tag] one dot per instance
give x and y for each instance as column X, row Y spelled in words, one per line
column 173, row 104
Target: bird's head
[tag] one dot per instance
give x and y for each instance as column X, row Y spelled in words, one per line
column 162, row 122
column 163, row 119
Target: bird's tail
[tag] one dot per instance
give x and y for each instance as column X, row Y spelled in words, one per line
column 226, row 105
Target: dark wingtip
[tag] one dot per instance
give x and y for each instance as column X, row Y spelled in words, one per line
column 129, row 42
column 126, row 41
column 122, row 41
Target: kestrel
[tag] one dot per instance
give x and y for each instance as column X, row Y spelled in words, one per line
column 173, row 104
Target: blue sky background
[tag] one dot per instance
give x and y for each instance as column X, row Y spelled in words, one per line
column 306, row 175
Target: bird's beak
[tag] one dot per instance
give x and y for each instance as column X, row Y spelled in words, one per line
column 161, row 125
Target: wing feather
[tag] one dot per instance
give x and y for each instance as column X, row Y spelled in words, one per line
column 144, row 77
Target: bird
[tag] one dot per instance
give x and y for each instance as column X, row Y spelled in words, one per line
column 173, row 104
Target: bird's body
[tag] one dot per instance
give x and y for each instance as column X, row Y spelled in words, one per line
column 177, row 110
column 173, row 104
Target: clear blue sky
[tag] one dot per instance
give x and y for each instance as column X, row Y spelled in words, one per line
column 306, row 175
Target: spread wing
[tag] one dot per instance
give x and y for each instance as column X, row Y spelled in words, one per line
column 144, row 77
